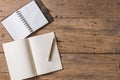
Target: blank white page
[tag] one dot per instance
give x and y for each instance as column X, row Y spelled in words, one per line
column 33, row 15
column 25, row 21
column 15, row 27
column 18, row 60
column 41, row 47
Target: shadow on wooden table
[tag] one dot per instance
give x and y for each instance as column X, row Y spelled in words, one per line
column 44, row 10
column 38, row 76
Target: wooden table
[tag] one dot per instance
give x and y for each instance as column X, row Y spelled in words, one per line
column 88, row 36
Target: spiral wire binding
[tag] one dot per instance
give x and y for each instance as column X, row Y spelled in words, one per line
column 24, row 21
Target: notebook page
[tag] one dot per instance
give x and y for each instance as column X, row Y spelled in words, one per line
column 18, row 60
column 33, row 15
column 41, row 46
column 15, row 27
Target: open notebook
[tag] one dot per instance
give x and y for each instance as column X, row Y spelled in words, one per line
column 25, row 21
column 32, row 56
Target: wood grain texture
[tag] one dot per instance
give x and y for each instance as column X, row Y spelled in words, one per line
column 84, row 8
column 76, row 34
column 81, row 26
column 79, row 67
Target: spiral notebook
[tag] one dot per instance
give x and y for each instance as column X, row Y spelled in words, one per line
column 25, row 21
column 33, row 56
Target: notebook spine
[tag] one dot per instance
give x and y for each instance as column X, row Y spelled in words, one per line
column 20, row 15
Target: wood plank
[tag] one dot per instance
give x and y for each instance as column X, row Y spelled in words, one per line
column 81, row 35
column 84, row 8
column 69, row 8
column 86, row 35
column 79, row 67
